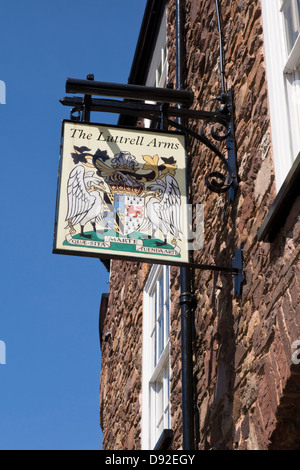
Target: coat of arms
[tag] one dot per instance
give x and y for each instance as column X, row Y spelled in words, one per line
column 118, row 196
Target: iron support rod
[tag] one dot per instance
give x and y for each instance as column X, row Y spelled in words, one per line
column 87, row 101
column 222, row 71
column 133, row 92
column 140, row 109
column 185, row 299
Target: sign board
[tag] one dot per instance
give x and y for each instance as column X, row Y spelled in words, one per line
column 122, row 194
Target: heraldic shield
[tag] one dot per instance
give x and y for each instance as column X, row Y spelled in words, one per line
column 123, row 212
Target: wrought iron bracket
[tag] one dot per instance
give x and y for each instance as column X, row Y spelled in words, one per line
column 161, row 114
column 239, row 278
column 216, row 181
column 236, row 269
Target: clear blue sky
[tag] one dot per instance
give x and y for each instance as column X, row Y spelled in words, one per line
column 49, row 386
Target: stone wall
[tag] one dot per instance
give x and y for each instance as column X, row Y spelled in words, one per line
column 247, row 391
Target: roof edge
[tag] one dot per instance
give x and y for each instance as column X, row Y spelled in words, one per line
column 144, row 49
column 147, row 37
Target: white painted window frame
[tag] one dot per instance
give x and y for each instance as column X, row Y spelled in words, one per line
column 155, row 407
column 284, row 89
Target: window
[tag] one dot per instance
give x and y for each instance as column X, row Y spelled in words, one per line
column 160, row 298
column 158, row 71
column 156, row 362
column 281, row 21
column 290, row 10
column 157, row 75
column 156, row 305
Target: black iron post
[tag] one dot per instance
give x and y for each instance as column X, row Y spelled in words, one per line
column 185, row 299
column 86, row 112
column 128, row 91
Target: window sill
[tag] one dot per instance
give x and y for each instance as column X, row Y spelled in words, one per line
column 294, row 57
column 164, row 357
column 280, row 208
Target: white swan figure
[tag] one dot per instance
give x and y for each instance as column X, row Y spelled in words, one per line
column 163, row 211
column 85, row 203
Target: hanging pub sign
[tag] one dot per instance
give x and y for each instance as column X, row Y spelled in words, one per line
column 122, row 194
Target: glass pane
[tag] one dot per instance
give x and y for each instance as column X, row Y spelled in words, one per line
column 167, row 306
column 155, row 330
column 166, row 323
column 155, row 348
column 155, row 304
column 161, row 294
column 166, row 396
column 152, row 308
column 160, row 427
column 167, row 275
column 297, row 101
column 158, row 73
column 160, row 324
column 159, row 401
column 291, row 12
column 161, row 335
column 167, row 424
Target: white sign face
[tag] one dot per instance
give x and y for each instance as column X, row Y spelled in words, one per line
column 122, row 194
